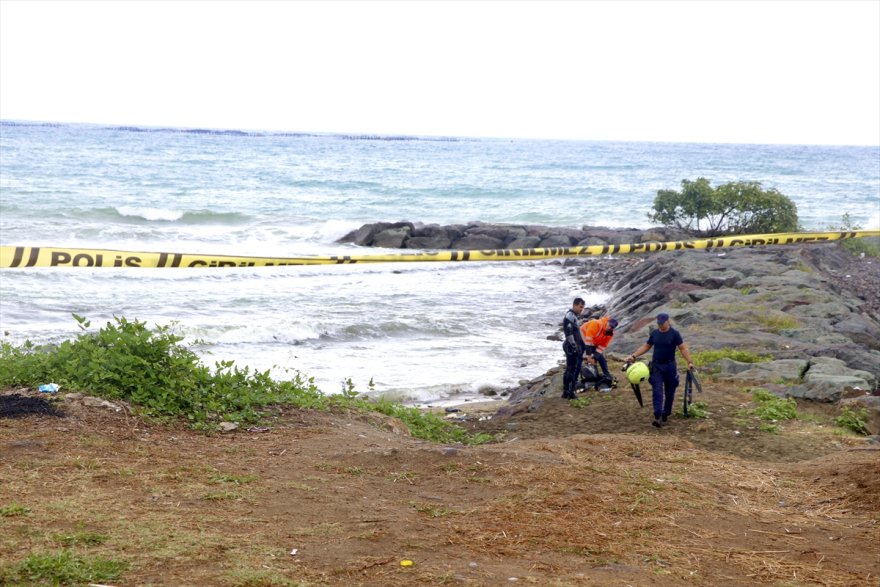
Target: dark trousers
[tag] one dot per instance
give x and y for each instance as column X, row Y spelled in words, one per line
column 572, row 372
column 663, row 380
column 600, row 358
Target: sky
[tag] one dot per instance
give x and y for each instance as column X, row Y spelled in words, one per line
column 778, row 72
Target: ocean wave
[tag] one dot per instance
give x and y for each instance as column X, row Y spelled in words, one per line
column 186, row 217
column 150, row 213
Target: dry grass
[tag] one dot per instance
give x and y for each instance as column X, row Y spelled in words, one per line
column 181, row 508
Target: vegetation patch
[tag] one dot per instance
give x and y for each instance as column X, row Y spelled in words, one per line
column 855, row 420
column 62, row 568
column 856, row 246
column 702, row 358
column 695, row 410
column 434, row 511
column 13, row 510
column 166, row 380
column 772, row 408
column 777, row 322
column 82, row 537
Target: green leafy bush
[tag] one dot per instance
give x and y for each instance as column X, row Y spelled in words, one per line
column 695, row 410
column 151, row 369
column 24, row 365
column 854, row 420
column 740, row 207
column 773, row 408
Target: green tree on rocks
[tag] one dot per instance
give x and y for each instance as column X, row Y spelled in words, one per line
column 740, row 207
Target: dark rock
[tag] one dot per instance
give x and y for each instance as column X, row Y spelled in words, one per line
column 557, row 240
column 478, row 242
column 503, row 233
column 392, row 238
column 429, row 242
column 524, row 242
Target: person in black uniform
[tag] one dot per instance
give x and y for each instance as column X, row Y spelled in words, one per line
column 573, row 346
column 664, row 374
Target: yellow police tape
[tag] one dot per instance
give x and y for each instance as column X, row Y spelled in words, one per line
column 16, row 257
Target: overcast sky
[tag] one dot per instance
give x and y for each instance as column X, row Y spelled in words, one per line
column 800, row 72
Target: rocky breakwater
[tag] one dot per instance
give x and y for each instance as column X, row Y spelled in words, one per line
column 481, row 236
column 811, row 311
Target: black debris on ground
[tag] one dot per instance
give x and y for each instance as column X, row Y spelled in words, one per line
column 17, row 406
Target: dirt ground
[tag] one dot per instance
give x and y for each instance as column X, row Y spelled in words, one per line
column 567, row 495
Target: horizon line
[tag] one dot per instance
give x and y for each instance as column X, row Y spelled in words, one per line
column 198, row 129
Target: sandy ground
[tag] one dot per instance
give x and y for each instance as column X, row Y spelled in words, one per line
column 565, row 496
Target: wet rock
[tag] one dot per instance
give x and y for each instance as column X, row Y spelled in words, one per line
column 392, row 238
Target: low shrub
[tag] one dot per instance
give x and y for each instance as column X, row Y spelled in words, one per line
column 165, row 379
column 855, row 420
column 696, row 410
column 773, row 408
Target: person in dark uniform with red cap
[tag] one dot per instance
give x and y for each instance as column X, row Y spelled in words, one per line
column 664, row 373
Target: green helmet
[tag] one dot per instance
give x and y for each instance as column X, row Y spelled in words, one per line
column 637, row 372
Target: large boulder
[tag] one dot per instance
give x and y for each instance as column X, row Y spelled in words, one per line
column 504, row 233
column 392, row 238
column 525, row 242
column 790, row 370
column 478, row 242
column 822, row 379
column 557, row 240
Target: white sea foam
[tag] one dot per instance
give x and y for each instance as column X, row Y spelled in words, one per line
column 150, row 213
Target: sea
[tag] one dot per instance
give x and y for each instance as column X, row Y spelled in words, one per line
column 426, row 334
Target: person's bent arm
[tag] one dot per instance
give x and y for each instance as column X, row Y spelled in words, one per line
column 639, row 352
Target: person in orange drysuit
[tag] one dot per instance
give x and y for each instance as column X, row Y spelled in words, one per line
column 597, row 335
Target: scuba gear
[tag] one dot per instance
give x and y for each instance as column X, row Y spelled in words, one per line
column 590, row 375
